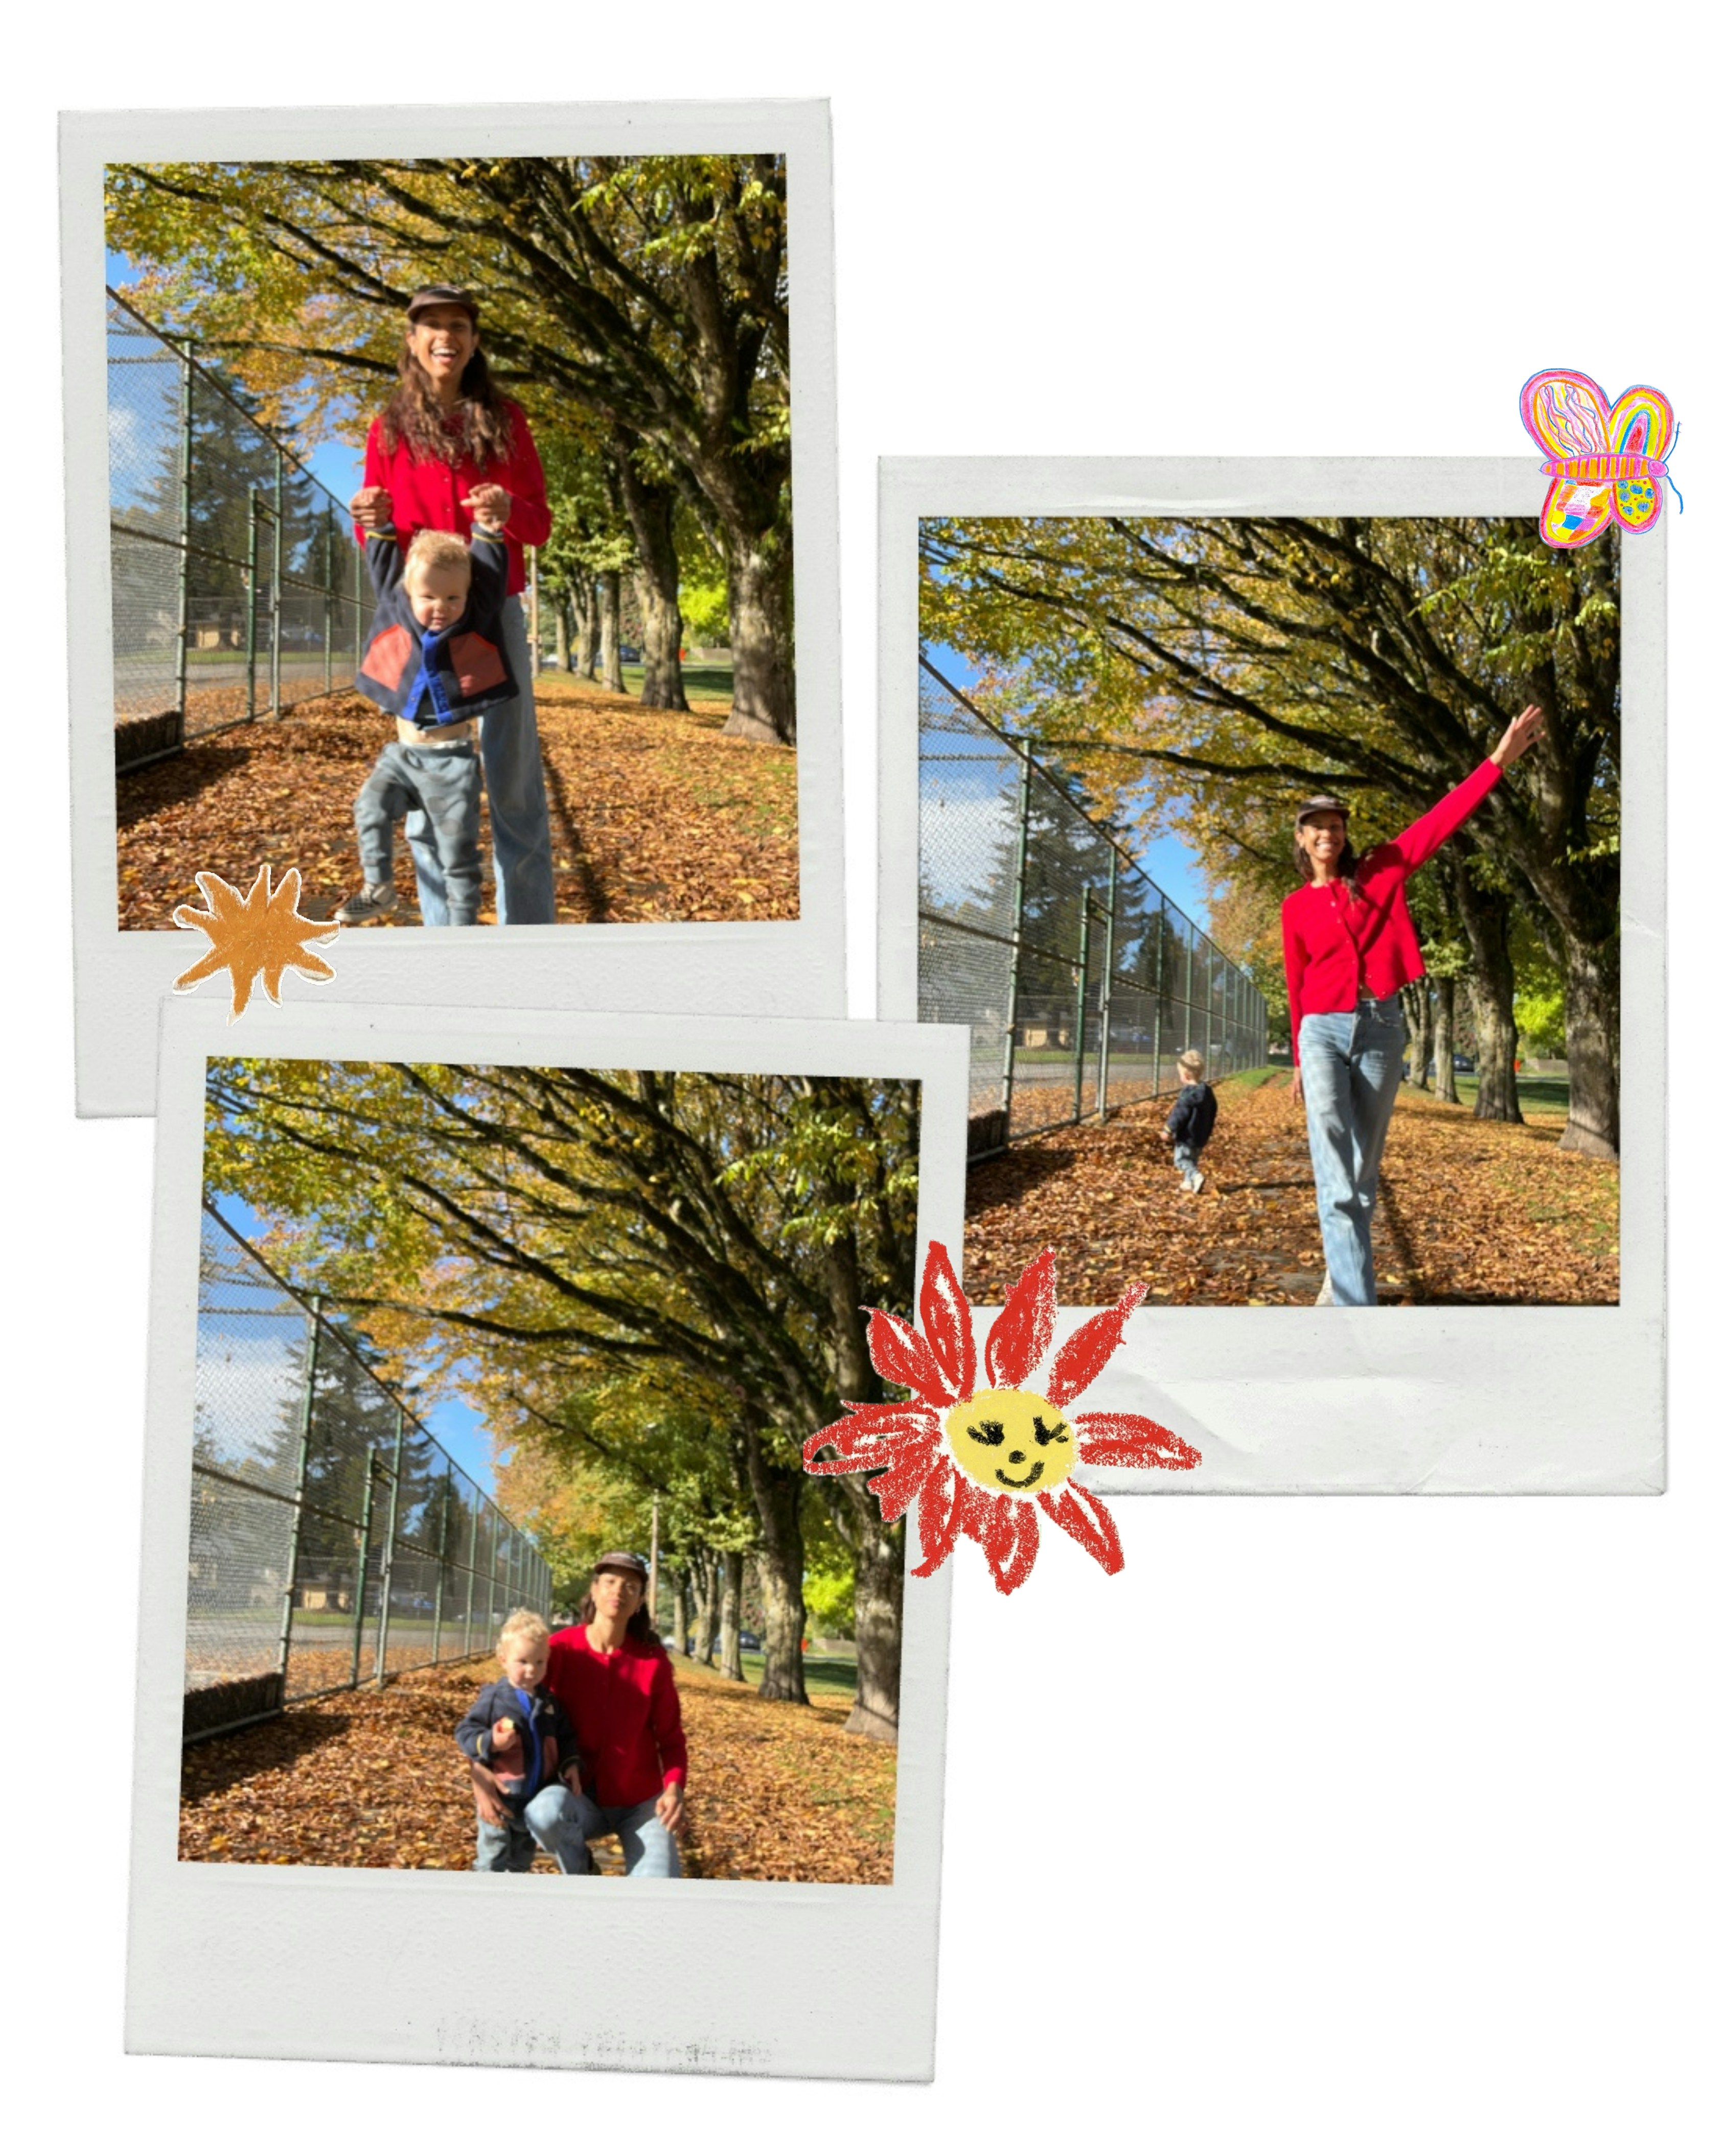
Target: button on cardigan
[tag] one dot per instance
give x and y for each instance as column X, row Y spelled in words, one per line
column 1331, row 943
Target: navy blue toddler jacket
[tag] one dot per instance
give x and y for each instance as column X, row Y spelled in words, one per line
column 1193, row 1117
column 435, row 679
column 541, row 1748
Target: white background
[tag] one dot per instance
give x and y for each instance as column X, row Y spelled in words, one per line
column 1369, row 1824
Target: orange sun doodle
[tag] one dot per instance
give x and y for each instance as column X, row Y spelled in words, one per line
column 263, row 932
column 984, row 1461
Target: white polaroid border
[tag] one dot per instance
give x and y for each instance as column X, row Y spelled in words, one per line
column 1429, row 1400
column 781, row 968
column 286, row 1962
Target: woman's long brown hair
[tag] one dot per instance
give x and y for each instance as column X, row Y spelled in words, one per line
column 413, row 415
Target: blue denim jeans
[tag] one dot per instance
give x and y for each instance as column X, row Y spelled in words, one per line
column 1350, row 1065
column 1186, row 1159
column 438, row 788
column 550, row 1819
column 515, row 793
column 649, row 1851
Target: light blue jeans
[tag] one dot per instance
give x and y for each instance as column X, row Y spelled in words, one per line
column 551, row 1819
column 1350, row 1065
column 649, row 1851
column 438, row 790
column 515, row 790
column 1186, row 1160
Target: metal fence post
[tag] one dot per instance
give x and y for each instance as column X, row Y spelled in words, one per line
column 251, row 604
column 1083, row 998
column 1020, row 863
column 443, row 1562
column 184, row 625
column 329, row 600
column 472, row 1554
column 387, row 1582
column 1105, row 1016
column 301, row 1459
column 275, row 596
column 361, row 1570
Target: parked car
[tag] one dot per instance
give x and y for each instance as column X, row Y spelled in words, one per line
column 750, row 1642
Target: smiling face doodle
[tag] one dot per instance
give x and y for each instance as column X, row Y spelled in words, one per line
column 1013, row 1441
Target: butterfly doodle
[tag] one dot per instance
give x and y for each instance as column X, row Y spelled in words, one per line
column 1605, row 464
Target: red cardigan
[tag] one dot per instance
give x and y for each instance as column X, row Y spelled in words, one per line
column 425, row 493
column 629, row 1722
column 1331, row 943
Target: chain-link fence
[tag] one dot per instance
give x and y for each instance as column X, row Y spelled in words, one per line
column 333, row 1540
column 238, row 589
column 1080, row 980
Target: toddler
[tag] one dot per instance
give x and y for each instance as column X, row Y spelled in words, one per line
column 435, row 660
column 519, row 1731
column 1191, row 1119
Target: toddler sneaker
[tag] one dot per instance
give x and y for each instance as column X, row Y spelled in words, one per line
column 371, row 901
column 1197, row 1182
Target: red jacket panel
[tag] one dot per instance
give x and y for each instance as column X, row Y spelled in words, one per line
column 1331, row 943
column 629, row 1722
column 426, row 494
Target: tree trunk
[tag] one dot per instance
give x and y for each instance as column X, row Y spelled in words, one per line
column 611, row 630
column 778, row 1493
column 562, row 613
column 1591, row 984
column 584, row 596
column 679, row 1611
column 1416, row 1009
column 730, row 1614
column 1486, row 916
column 879, row 1555
column 651, row 509
column 706, row 1605
column 763, row 697
column 1443, row 1039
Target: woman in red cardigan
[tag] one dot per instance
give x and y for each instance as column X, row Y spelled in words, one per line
column 447, row 446
column 1349, row 946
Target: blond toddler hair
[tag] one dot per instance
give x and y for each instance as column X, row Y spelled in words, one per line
column 1190, row 1065
column 523, row 1624
column 437, row 550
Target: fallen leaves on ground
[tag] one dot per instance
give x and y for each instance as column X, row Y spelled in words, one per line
column 1469, row 1212
column 654, row 815
column 372, row 1779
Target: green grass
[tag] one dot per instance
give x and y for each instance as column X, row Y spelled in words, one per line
column 699, row 681
column 1545, row 1096
column 829, row 1675
column 1249, row 1081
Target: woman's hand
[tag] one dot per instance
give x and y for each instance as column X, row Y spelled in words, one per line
column 572, row 1780
column 486, row 1794
column 1522, row 734
column 489, row 505
column 373, row 509
column 670, row 1808
column 1297, row 1089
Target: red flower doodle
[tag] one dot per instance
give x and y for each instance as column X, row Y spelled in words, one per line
column 983, row 1461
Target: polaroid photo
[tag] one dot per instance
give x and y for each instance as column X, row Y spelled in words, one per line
column 1212, row 759
column 480, row 1571
column 429, row 532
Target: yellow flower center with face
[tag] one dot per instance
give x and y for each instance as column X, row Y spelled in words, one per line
column 1012, row 1441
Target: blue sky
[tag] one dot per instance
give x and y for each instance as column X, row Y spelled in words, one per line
column 340, row 465
column 1168, row 861
column 457, row 1427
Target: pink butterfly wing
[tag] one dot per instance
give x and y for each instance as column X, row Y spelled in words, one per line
column 1642, row 423
column 1566, row 413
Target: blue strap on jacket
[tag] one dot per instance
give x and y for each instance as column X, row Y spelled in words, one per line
column 426, row 682
column 526, row 1701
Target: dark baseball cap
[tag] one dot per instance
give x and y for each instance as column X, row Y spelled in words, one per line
column 443, row 295
column 622, row 1561
column 1321, row 804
